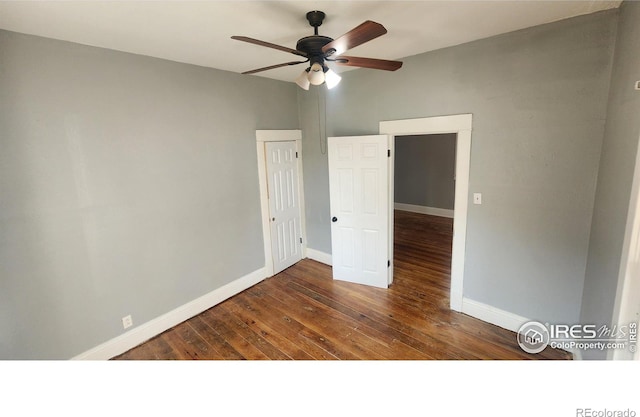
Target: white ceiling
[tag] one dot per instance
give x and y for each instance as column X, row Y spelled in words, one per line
column 198, row 32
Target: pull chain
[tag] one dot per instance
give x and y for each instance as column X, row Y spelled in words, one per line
column 323, row 145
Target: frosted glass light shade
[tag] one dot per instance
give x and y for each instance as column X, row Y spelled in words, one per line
column 303, row 81
column 331, row 78
column 316, row 75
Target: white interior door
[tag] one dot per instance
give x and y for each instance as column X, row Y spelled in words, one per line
column 358, row 182
column 284, row 204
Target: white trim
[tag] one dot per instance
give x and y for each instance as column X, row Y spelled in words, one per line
column 264, row 208
column 146, row 331
column 391, row 223
column 319, row 256
column 627, row 297
column 458, row 253
column 263, row 136
column 278, row 135
column 501, row 318
column 303, row 210
column 433, row 125
column 433, row 211
column 461, row 125
column 493, row 315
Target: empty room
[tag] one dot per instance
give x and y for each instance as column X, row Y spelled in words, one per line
column 367, row 180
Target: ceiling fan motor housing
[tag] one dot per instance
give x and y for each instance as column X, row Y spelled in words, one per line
column 312, row 45
column 315, row 18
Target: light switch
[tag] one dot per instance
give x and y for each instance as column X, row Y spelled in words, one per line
column 477, row 198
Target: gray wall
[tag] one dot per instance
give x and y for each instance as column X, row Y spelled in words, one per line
column 425, row 170
column 615, row 175
column 128, row 185
column 538, row 98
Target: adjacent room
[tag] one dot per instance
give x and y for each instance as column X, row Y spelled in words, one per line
column 170, row 192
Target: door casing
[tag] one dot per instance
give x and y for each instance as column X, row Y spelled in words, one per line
column 461, row 125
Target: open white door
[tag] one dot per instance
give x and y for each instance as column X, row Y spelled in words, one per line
column 284, row 204
column 359, row 193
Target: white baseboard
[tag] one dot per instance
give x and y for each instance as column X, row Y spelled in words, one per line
column 501, row 318
column 493, row 315
column 433, row 211
column 146, row 331
column 316, row 255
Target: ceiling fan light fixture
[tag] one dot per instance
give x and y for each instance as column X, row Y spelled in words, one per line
column 316, row 74
column 319, row 48
column 303, row 80
column 331, row 78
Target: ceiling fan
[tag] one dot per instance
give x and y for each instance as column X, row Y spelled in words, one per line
column 319, row 49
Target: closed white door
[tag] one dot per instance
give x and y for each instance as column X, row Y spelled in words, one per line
column 359, row 192
column 284, row 204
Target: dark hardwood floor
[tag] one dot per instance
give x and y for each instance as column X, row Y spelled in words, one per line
column 302, row 313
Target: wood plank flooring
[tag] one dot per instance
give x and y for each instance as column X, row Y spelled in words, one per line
column 303, row 314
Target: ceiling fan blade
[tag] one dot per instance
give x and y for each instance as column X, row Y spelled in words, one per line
column 381, row 64
column 275, row 66
column 269, row 45
column 357, row 36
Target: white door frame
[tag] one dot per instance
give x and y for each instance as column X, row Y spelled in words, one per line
column 263, row 136
column 627, row 297
column 461, row 125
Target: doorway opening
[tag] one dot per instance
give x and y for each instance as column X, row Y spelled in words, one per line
column 460, row 125
column 425, row 174
column 424, row 197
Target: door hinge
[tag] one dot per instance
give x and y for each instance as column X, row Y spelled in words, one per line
column 388, row 153
column 388, row 264
column 300, row 240
column 296, row 155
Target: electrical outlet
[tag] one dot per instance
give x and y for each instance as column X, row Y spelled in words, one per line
column 477, row 198
column 127, row 322
column 637, row 85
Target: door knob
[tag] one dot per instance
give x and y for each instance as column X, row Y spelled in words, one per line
column 334, row 219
